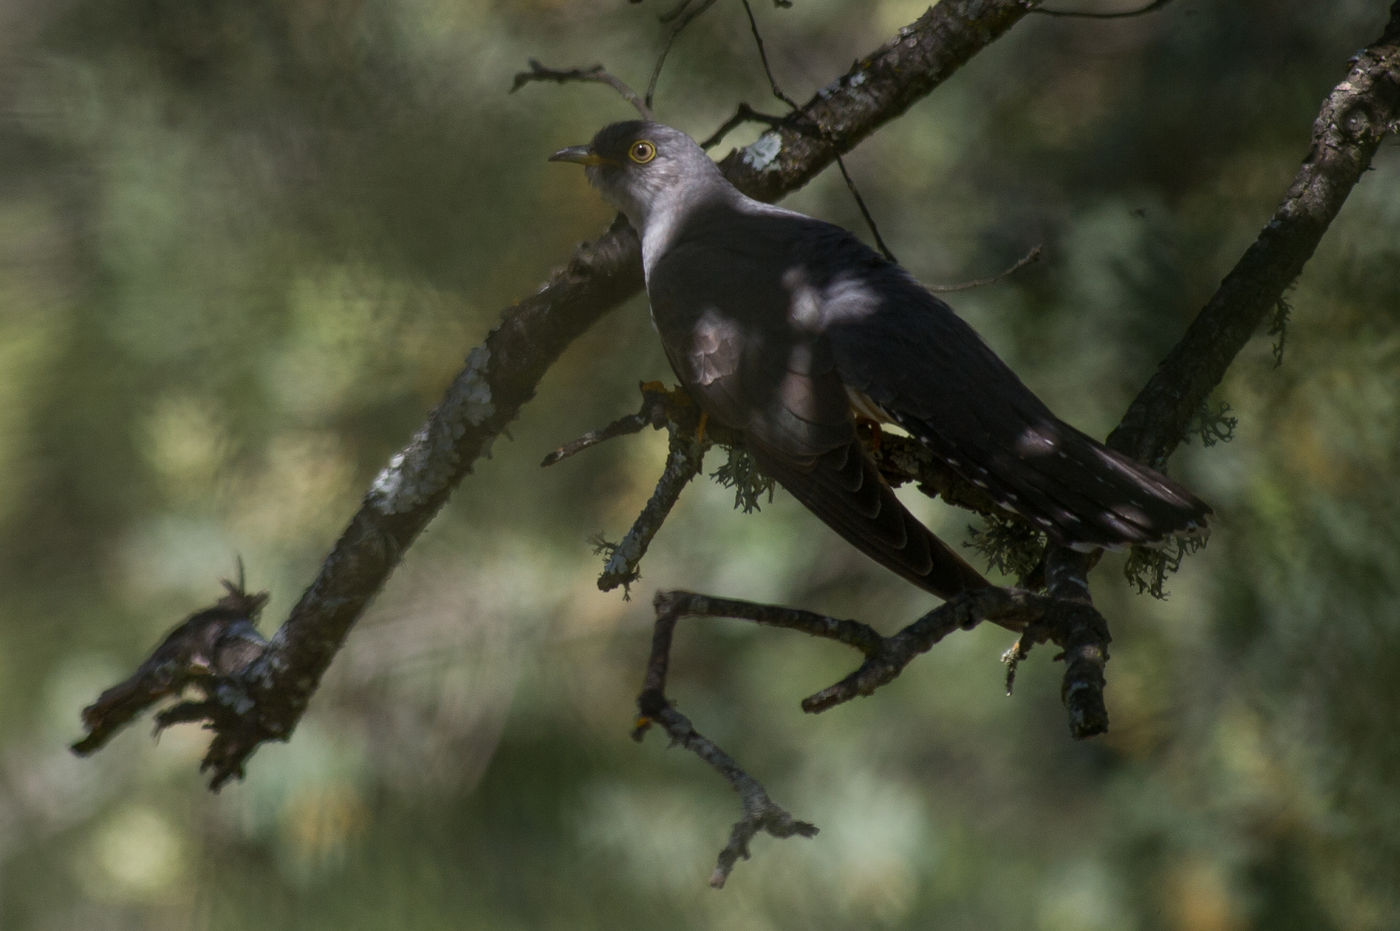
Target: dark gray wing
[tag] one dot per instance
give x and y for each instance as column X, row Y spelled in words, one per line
column 932, row 374
column 732, row 303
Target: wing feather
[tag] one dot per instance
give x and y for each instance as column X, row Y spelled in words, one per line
column 744, row 330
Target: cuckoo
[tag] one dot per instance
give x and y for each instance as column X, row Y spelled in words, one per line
column 786, row 328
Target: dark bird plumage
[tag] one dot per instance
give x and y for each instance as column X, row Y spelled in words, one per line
column 781, row 326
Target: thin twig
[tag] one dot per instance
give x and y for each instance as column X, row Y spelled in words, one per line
column 1036, row 616
column 840, row 162
column 1027, row 259
column 742, row 114
column 623, row 426
column 683, row 15
column 885, row 657
column 688, row 441
column 691, row 435
column 596, row 74
column 763, row 57
column 655, row 402
column 760, row 813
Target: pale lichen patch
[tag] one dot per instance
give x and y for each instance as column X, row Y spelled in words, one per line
column 761, row 155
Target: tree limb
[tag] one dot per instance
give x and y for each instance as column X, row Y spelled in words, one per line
column 502, row 374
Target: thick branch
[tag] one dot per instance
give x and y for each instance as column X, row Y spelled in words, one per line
column 876, row 89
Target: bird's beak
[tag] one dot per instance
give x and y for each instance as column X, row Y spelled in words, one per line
column 579, row 154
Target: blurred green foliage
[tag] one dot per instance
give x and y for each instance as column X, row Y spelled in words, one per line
column 243, row 248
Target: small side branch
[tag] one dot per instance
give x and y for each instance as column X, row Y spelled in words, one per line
column 742, row 114
column 683, row 461
column 674, row 410
column 1029, row 258
column 1036, row 617
column 656, row 404
column 678, row 19
column 840, row 162
column 760, row 813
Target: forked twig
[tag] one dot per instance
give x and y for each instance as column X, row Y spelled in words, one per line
column 596, row 74
column 760, row 813
column 1036, row 617
column 742, row 114
column 690, row 437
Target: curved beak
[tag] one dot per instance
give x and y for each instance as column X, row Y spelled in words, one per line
column 579, row 154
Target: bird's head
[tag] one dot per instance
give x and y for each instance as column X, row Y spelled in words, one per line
column 644, row 168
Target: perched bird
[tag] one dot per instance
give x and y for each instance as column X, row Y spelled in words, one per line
column 784, row 328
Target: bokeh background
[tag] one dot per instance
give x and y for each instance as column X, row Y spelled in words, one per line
column 245, row 245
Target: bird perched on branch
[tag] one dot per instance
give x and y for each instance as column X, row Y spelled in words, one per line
column 784, row 328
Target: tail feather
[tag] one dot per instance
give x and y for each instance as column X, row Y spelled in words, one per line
column 1080, row 492
column 844, row 488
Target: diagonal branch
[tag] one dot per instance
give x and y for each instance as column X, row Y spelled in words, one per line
column 502, row 374
column 684, row 457
column 1358, row 113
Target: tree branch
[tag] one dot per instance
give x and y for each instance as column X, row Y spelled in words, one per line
column 684, row 457
column 1358, row 113
column 502, row 374
column 1037, row 617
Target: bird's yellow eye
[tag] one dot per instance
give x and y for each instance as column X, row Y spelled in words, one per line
column 641, row 151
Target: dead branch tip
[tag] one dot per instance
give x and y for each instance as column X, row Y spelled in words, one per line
column 202, row 650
